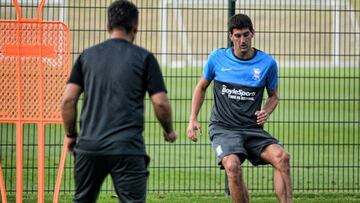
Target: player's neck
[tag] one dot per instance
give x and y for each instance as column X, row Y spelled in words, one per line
column 244, row 55
column 119, row 34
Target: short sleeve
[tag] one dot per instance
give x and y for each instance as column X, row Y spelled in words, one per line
column 76, row 75
column 209, row 68
column 272, row 77
column 154, row 79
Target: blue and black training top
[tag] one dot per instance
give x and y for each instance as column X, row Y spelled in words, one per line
column 239, row 86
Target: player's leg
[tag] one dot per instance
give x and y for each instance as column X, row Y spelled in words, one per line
column 129, row 175
column 229, row 148
column 238, row 190
column 90, row 172
column 262, row 148
column 280, row 160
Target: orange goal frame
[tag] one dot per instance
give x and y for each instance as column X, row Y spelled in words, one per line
column 34, row 67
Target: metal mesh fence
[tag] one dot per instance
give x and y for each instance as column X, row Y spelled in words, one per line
column 317, row 45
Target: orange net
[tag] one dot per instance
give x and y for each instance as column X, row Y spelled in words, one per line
column 34, row 67
column 33, row 70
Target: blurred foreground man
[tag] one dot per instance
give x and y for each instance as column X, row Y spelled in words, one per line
column 114, row 77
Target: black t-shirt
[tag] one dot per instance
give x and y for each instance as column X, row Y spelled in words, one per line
column 114, row 76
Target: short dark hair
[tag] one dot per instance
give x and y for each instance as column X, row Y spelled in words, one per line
column 122, row 14
column 240, row 21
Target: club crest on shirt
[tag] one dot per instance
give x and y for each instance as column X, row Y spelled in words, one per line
column 256, row 74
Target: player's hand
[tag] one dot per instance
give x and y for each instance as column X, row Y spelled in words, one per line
column 262, row 117
column 191, row 130
column 170, row 137
column 70, row 142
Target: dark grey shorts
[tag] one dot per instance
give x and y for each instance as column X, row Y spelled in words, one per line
column 246, row 143
column 129, row 175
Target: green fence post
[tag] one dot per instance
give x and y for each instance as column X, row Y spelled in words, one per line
column 231, row 12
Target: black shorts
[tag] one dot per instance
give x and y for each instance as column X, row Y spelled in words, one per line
column 129, row 175
column 246, row 143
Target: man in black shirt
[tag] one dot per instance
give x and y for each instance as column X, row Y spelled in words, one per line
column 114, row 77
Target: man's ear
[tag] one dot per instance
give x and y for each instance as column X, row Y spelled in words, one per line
column 136, row 29
column 229, row 34
column 108, row 27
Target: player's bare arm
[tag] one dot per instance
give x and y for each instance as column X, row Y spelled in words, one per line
column 268, row 108
column 197, row 101
column 163, row 113
column 69, row 113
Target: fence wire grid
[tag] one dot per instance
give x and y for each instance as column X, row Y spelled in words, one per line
column 316, row 44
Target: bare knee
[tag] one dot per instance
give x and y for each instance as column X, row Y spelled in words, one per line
column 232, row 166
column 282, row 161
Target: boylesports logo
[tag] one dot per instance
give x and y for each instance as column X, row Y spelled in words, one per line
column 238, row 94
